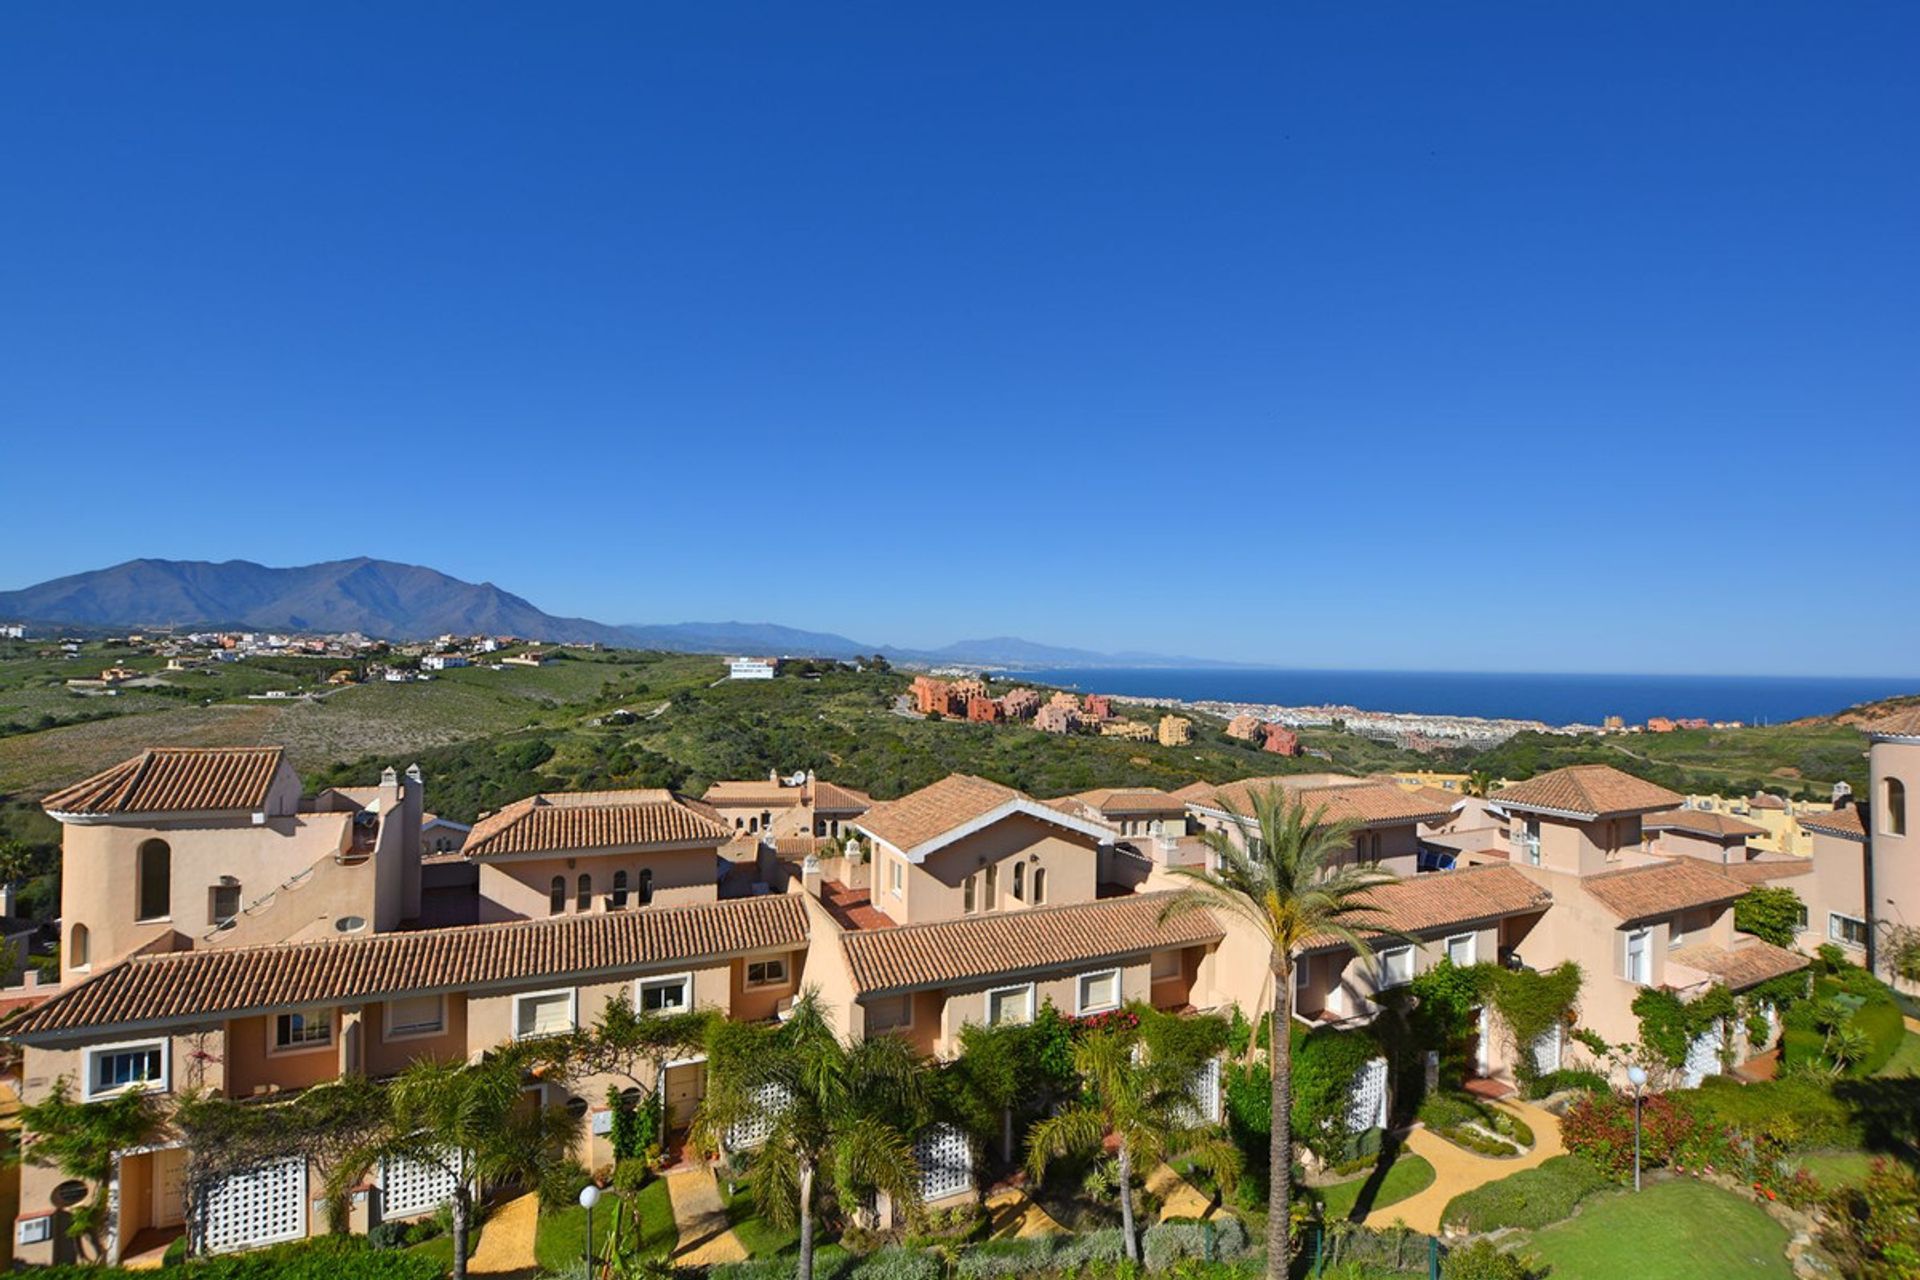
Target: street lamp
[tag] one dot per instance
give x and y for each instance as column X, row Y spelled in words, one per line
column 1637, row 1076
column 589, row 1197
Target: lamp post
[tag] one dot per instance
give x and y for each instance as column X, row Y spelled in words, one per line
column 589, row 1197
column 1637, row 1076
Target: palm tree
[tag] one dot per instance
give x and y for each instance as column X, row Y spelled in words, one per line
column 1290, row 876
column 843, row 1115
column 472, row 1121
column 1479, row 784
column 1147, row 1107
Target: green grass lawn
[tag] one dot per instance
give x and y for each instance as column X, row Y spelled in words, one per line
column 560, row 1240
column 1408, row 1176
column 1838, row 1168
column 1905, row 1060
column 1677, row 1230
column 761, row 1238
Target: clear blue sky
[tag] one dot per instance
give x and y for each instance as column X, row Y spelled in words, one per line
column 1479, row 336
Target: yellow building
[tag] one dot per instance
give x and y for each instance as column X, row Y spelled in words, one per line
column 1416, row 779
column 1175, row 731
column 1778, row 817
column 1132, row 730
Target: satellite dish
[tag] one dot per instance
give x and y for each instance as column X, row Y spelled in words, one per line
column 798, row 780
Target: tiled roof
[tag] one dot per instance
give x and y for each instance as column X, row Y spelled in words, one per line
column 175, row 780
column 1765, row 800
column 1446, row 899
column 1764, row 870
column 1013, row 942
column 1368, row 804
column 831, row 797
column 1586, row 790
column 760, row 791
column 1844, row 823
column 1439, row 796
column 944, row 807
column 1192, row 791
column 230, row 980
column 1129, row 800
column 1902, row 723
column 1673, row 885
column 1743, row 966
column 1701, row 822
column 592, row 820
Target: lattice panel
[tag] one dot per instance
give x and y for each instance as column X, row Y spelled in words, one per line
column 409, row 1187
column 1369, row 1107
column 1546, row 1051
column 945, row 1158
column 1703, row 1056
column 1206, row 1093
column 769, row 1100
column 261, row 1207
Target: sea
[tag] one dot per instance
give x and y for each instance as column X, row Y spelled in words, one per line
column 1555, row 699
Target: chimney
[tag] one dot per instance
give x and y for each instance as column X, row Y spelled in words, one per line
column 1842, row 796
column 810, row 874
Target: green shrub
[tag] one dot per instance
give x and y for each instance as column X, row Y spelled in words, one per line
column 1042, row 1253
column 1530, row 1198
column 1799, row 1113
column 1558, row 1081
column 1169, row 1242
column 560, row 1186
column 176, row 1252
column 323, row 1258
column 630, row 1174
column 896, row 1263
column 387, row 1235
column 1482, row 1260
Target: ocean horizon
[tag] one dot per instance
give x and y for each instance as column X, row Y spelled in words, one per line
column 1554, row 699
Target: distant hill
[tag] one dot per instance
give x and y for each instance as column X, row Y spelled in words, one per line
column 395, row 601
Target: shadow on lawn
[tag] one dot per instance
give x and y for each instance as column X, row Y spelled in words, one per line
column 1889, row 1107
column 1390, row 1146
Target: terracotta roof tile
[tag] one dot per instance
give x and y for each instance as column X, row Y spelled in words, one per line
column 1447, row 899
column 1901, row 723
column 175, row 780
column 1587, row 791
column 593, row 820
column 232, row 980
column 831, row 797
column 1844, row 823
column 1747, row 964
column 1013, row 942
column 1701, row 822
column 1661, row 888
column 1116, row 801
column 760, row 791
column 1357, row 800
column 936, row 809
column 1764, row 870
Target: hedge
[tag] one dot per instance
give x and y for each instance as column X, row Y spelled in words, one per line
column 1879, row 1016
column 1041, row 1253
column 1169, row 1242
column 894, row 1262
column 1800, row 1114
column 325, row 1258
column 1530, row 1198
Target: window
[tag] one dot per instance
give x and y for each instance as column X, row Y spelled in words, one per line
column 156, row 880
column 112, row 1069
column 619, row 899
column 1039, row 886
column 1167, row 965
column 223, row 903
column 1396, row 967
column 415, row 1016
column 1019, row 886
column 1460, row 948
column 1800, row 922
column 1010, row 1006
column 557, row 896
column 1530, row 842
column 1846, row 930
column 1639, row 967
column 79, row 946
column 767, row 973
column 544, row 1013
column 646, row 886
column 968, row 902
column 1677, row 932
column 665, row 995
column 583, row 893
column 896, row 876
column 1097, row 992
column 889, row 1013
column 293, row 1032
column 1893, row 807
column 990, row 878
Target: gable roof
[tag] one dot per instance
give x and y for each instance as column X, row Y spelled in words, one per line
column 593, row 820
column 1638, row 893
column 1445, row 899
column 959, row 804
column 1006, row 943
column 1701, row 822
column 175, row 780
column 1586, row 791
column 1360, row 801
column 751, row 791
column 831, row 797
column 1901, row 723
column 1117, row 801
column 230, row 981
column 1747, row 964
column 1844, row 823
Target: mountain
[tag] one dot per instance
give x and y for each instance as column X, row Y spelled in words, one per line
column 395, row 601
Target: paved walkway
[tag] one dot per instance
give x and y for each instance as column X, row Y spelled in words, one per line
column 700, row 1216
column 1012, row 1215
column 1178, row 1197
column 1456, row 1169
column 506, row 1246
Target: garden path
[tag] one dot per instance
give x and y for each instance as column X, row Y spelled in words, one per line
column 1012, row 1215
column 1178, row 1197
column 701, row 1219
column 506, row 1246
column 1457, row 1170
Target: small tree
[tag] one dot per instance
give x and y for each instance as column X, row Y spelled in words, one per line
column 82, row 1139
column 1769, row 912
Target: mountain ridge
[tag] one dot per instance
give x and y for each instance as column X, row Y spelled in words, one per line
column 392, row 600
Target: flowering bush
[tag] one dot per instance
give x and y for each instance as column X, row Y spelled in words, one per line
column 1874, row 1229
column 1122, row 1020
column 1600, row 1128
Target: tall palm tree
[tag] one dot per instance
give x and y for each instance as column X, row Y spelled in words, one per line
column 844, row 1114
column 1148, row 1108
column 1479, row 784
column 1291, row 875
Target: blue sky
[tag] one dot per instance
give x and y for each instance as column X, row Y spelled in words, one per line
column 1473, row 336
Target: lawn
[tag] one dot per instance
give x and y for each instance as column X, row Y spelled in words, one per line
column 1674, row 1230
column 761, row 1238
column 1407, row 1176
column 1905, row 1060
column 560, row 1240
column 1838, row 1168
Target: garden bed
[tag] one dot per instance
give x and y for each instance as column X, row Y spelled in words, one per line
column 1476, row 1126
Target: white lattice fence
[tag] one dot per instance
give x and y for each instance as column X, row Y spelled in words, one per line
column 1546, row 1051
column 769, row 1100
column 1369, row 1107
column 1703, row 1056
column 1206, row 1093
column 261, row 1207
column 945, row 1158
column 408, row 1187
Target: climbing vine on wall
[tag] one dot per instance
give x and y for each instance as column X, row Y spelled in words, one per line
column 1670, row 1025
column 1530, row 1004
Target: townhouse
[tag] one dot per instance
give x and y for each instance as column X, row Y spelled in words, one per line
column 785, row 808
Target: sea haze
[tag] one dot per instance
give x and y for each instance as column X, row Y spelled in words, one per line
column 1556, row 699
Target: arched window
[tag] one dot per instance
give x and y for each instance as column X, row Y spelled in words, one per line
column 1039, row 886
column 1019, row 881
column 619, row 891
column 557, row 896
column 583, row 899
column 79, row 948
column 646, row 886
column 156, row 880
column 1893, row 807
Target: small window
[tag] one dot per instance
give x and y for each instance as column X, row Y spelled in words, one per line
column 1039, row 886
column 1461, row 949
column 646, row 886
column 665, row 995
column 156, row 880
column 1893, row 807
column 1396, row 967
column 293, row 1032
column 888, row 1013
column 557, row 896
column 79, row 947
column 619, row 901
column 1800, row 919
column 1019, row 886
column 127, row 1066
column 415, row 1016
column 896, row 876
column 1010, row 1006
column 969, row 897
column 767, row 973
column 1639, row 966
column 1098, row 992
column 1846, row 930
column 990, row 878
column 583, row 896
column 545, row 1013
column 1677, row 932
column 223, row 904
